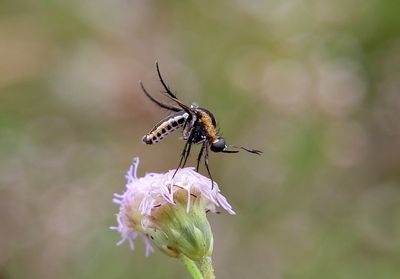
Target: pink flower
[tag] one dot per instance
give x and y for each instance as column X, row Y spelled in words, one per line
column 149, row 203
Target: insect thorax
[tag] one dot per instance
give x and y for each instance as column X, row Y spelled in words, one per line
column 201, row 127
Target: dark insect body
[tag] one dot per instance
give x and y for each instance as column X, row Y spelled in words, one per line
column 199, row 127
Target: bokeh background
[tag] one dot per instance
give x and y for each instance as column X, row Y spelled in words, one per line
column 314, row 84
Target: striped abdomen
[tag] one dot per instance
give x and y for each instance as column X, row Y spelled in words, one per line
column 166, row 126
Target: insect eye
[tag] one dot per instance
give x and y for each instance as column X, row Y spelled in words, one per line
column 218, row 145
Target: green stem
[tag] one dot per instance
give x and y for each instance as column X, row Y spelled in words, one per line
column 192, row 267
column 207, row 268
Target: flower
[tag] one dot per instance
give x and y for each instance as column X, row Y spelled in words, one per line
column 169, row 211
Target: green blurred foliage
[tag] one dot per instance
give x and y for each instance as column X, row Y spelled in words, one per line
column 314, row 84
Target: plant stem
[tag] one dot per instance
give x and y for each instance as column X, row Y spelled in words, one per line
column 207, row 268
column 192, row 268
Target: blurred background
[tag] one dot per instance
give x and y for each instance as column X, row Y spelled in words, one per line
column 314, row 84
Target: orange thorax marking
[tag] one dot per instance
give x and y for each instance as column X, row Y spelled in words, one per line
column 208, row 125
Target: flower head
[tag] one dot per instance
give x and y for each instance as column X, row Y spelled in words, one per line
column 169, row 211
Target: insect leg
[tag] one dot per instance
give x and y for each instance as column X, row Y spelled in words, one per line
column 200, row 155
column 184, row 156
column 187, row 155
column 208, row 169
column 168, row 91
column 171, row 95
column 160, row 104
column 186, row 151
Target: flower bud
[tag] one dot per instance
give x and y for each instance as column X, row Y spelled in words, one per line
column 182, row 231
column 169, row 211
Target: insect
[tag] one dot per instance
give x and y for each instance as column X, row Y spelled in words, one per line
column 199, row 127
